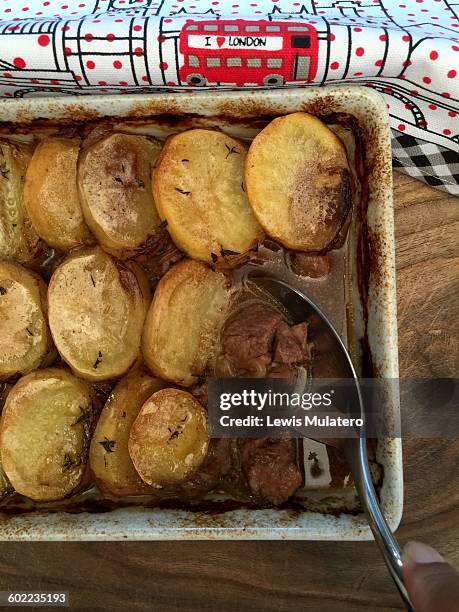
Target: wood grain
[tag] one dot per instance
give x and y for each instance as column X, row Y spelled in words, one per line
column 278, row 576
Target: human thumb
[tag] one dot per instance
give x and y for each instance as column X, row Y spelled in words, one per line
column 433, row 585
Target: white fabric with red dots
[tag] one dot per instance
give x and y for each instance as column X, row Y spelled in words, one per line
column 407, row 50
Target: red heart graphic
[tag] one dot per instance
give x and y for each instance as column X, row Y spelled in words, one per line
column 220, row 40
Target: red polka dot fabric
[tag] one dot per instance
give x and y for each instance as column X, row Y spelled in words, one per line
column 407, row 50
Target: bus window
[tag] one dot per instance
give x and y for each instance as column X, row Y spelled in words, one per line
column 274, row 62
column 213, row 62
column 301, row 42
column 252, row 28
column 254, row 62
column 296, row 28
column 191, row 28
column 210, row 28
column 231, row 28
column 193, row 61
column 232, row 62
column 272, row 28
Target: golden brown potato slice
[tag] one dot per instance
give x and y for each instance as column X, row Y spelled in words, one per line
column 114, row 181
column 97, row 307
column 198, row 188
column 51, row 194
column 46, row 428
column 109, row 456
column 184, row 320
column 18, row 239
column 25, row 339
column 298, row 182
column 168, row 440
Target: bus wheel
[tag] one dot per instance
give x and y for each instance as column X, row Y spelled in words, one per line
column 197, row 80
column 273, row 79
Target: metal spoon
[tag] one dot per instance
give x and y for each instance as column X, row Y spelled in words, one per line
column 300, row 308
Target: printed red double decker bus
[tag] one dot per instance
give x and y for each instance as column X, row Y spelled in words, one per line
column 242, row 52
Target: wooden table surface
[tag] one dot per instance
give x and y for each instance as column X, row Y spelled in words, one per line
column 277, row 576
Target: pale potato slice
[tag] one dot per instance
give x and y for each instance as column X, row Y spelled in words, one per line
column 199, row 191
column 51, row 195
column 45, row 432
column 109, row 456
column 184, row 321
column 25, row 339
column 168, row 440
column 298, row 182
column 18, row 239
column 97, row 306
column 114, row 182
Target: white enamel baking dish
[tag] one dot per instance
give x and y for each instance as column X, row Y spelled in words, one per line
column 241, row 113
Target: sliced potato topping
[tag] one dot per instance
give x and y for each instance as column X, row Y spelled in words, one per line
column 18, row 238
column 168, row 440
column 25, row 339
column 199, row 191
column 97, row 307
column 45, row 431
column 114, row 181
column 298, row 182
column 184, row 321
column 51, row 194
column 109, row 456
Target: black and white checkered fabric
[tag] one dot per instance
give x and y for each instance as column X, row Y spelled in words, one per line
column 435, row 165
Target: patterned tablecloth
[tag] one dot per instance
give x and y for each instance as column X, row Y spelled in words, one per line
column 407, row 50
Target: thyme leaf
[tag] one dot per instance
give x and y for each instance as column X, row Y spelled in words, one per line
column 97, row 361
column 182, row 191
column 3, row 291
column 118, row 179
column 92, row 280
column 214, row 257
column 85, row 417
column 140, row 184
column 68, row 462
column 109, row 445
column 163, row 224
column 185, row 160
column 230, row 150
column 29, row 332
column 227, row 252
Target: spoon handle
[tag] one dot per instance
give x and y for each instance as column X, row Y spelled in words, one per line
column 384, row 538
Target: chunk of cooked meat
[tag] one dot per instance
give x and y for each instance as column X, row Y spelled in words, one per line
column 270, row 467
column 201, row 391
column 259, row 343
column 290, row 344
column 250, row 333
column 310, row 265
